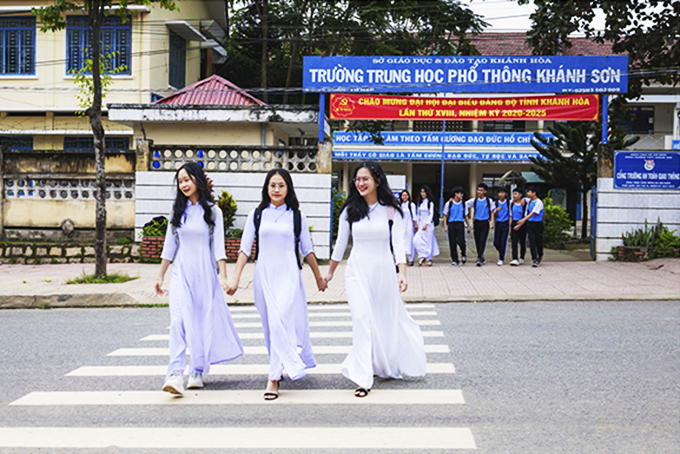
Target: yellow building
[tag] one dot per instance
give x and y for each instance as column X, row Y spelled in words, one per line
column 48, row 166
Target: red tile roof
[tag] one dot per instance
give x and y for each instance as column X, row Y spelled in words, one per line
column 512, row 44
column 213, row 91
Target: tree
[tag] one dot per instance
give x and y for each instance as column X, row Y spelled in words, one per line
column 569, row 158
column 648, row 32
column 349, row 27
column 53, row 19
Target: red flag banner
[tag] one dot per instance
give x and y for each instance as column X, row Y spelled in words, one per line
column 583, row 107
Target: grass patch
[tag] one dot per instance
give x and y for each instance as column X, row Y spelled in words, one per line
column 115, row 278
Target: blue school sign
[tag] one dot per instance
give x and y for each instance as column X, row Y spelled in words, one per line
column 416, row 155
column 521, row 74
column 675, row 145
column 646, row 170
column 466, row 139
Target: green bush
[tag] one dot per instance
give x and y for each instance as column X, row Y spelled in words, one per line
column 155, row 228
column 556, row 224
column 338, row 202
column 659, row 239
column 123, row 241
column 234, row 233
column 228, row 206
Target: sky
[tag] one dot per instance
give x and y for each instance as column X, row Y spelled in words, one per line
column 507, row 15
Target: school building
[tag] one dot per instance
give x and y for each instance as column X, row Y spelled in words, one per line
column 488, row 151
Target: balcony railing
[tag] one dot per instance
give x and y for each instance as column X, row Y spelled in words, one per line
column 302, row 159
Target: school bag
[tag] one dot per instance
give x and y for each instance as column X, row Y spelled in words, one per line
column 297, row 228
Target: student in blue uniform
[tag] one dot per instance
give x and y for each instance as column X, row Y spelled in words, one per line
column 518, row 236
column 534, row 221
column 484, row 209
column 454, row 213
column 503, row 215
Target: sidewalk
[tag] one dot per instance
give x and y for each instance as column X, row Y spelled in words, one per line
column 43, row 286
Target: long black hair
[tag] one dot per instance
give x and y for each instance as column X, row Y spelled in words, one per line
column 205, row 198
column 356, row 205
column 407, row 193
column 291, row 198
column 428, row 193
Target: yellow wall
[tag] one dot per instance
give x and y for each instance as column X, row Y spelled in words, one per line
column 149, row 63
column 50, row 213
column 202, row 133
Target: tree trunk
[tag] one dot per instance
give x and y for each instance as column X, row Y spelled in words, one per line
column 95, row 114
column 263, row 61
column 295, row 47
column 584, row 214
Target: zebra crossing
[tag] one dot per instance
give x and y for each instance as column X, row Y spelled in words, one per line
column 334, row 341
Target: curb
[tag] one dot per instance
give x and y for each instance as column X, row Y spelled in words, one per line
column 122, row 299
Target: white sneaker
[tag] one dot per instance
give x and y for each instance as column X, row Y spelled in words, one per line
column 195, row 381
column 521, row 261
column 499, row 263
column 174, row 384
column 514, row 263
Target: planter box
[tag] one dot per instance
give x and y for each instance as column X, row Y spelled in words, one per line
column 632, row 254
column 153, row 246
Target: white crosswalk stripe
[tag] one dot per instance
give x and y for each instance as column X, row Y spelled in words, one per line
column 226, row 369
column 408, row 438
column 288, row 397
column 313, row 335
column 324, row 321
column 261, row 350
column 328, row 314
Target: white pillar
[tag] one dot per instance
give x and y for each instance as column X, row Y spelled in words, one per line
column 473, row 180
column 409, row 177
column 345, row 177
column 676, row 122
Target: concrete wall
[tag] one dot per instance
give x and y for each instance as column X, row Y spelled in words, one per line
column 623, row 210
column 155, row 193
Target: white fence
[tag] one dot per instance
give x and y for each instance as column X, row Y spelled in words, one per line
column 623, row 210
column 155, row 193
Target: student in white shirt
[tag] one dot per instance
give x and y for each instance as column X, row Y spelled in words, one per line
column 535, row 226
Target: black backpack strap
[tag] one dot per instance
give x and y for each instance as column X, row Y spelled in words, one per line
column 257, row 218
column 297, row 227
column 390, row 223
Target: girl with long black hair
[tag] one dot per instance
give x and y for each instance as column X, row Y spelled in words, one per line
column 280, row 229
column 386, row 341
column 410, row 224
column 425, row 241
column 199, row 316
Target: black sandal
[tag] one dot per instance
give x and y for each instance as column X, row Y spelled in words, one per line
column 273, row 396
column 361, row 392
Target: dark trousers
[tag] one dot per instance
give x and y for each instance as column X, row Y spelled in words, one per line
column 500, row 238
column 481, row 234
column 519, row 236
column 456, row 231
column 535, row 230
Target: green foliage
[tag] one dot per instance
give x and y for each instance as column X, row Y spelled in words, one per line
column 115, row 278
column 338, row 202
column 155, row 229
column 317, row 27
column 228, row 206
column 123, row 241
column 234, row 234
column 658, row 237
column 556, row 224
column 85, row 81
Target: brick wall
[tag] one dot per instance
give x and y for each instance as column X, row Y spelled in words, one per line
column 153, row 246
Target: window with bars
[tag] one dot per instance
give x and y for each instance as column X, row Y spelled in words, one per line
column 16, row 142
column 87, row 143
column 638, row 120
column 178, row 58
column 115, row 38
column 17, row 46
column 504, row 126
column 436, row 126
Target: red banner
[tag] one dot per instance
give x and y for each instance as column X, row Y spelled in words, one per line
column 368, row 107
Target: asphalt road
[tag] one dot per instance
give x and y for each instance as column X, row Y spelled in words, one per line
column 572, row 377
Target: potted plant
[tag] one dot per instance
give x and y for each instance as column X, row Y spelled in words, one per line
column 153, row 239
column 232, row 236
column 648, row 243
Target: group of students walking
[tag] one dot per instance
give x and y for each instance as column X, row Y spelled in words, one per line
column 518, row 219
column 386, row 341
